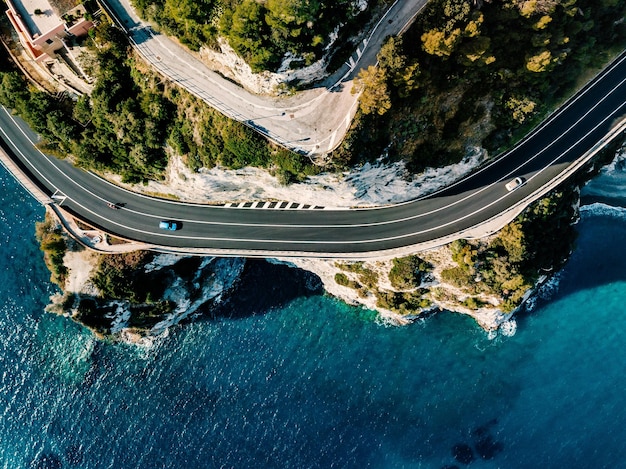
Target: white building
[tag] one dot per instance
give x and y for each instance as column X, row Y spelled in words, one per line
column 42, row 30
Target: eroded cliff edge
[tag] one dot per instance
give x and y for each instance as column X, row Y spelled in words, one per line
column 138, row 295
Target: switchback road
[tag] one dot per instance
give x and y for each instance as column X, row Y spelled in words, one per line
column 311, row 122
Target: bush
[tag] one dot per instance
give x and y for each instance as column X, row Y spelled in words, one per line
column 367, row 277
column 463, row 76
column 342, row 279
column 473, row 303
column 118, row 277
column 457, row 276
column 263, row 32
column 406, row 272
column 52, row 243
column 403, row 302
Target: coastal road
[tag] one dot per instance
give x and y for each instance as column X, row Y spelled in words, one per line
column 311, row 122
column 541, row 158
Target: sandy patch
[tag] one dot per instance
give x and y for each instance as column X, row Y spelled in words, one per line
column 80, row 265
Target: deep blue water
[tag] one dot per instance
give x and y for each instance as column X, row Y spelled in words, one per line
column 315, row 383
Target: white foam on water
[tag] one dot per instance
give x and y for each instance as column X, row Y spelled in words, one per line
column 508, row 328
column 618, row 164
column 545, row 291
column 601, row 209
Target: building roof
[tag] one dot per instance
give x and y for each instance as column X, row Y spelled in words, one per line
column 37, row 24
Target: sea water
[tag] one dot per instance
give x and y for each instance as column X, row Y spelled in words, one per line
column 314, row 383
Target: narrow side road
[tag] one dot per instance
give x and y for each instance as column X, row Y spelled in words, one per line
column 312, row 122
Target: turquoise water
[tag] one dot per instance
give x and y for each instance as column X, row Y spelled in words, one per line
column 315, row 383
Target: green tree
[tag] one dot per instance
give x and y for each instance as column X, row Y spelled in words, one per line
column 521, row 108
column 406, row 272
column 476, row 51
column 62, row 129
column 404, row 73
column 13, row 89
column 512, row 238
column 372, row 83
column 440, row 43
column 293, row 21
column 391, row 56
column 541, row 62
column 248, row 35
column 464, row 254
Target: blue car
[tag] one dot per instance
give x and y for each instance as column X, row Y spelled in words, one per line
column 169, row 225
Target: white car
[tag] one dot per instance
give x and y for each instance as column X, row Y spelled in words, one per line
column 514, row 184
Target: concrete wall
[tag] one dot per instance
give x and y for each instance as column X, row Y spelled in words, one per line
column 42, row 46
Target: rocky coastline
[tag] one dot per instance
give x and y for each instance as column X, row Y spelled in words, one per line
column 135, row 297
column 105, row 298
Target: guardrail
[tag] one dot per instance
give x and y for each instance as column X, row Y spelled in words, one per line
column 199, row 93
column 23, row 179
column 487, row 227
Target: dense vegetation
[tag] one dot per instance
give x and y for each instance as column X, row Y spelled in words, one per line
column 117, row 277
column 192, row 21
column 131, row 117
column 477, row 73
column 408, row 272
column 466, row 73
column 120, row 278
column 504, row 267
column 120, row 127
column 52, row 242
column 539, row 240
column 406, row 276
column 261, row 32
column 462, row 75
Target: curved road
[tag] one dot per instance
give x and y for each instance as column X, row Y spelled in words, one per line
column 543, row 157
column 312, row 122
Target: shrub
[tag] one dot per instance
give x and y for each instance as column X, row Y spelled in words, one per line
column 473, row 303
column 52, row 243
column 406, row 272
column 118, row 277
column 367, row 277
column 457, row 276
column 342, row 279
column 402, row 302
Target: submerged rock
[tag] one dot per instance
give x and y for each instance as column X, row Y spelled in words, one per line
column 463, row 453
column 488, row 448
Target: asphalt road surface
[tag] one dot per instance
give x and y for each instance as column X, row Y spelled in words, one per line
column 539, row 158
column 311, row 122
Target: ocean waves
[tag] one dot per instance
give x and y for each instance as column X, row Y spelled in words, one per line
column 600, row 209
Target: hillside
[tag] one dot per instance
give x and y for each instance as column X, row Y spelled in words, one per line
column 466, row 75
